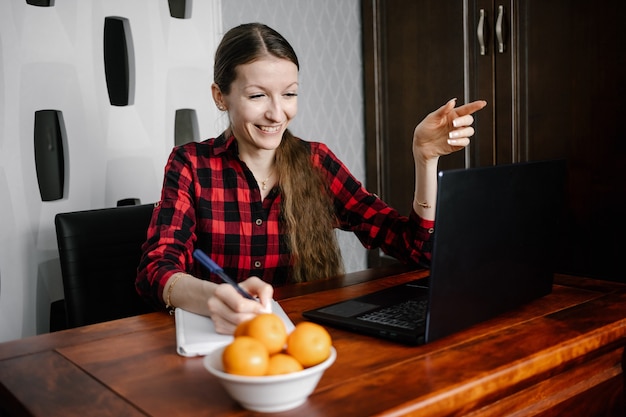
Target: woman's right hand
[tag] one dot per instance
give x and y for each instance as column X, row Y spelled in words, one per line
column 228, row 308
column 445, row 130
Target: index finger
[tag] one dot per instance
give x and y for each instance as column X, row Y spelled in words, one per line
column 470, row 108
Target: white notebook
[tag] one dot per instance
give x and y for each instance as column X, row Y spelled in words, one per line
column 196, row 336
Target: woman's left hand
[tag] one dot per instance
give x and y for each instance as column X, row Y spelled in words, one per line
column 445, row 130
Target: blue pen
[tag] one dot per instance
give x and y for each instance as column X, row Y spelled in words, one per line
column 210, row 264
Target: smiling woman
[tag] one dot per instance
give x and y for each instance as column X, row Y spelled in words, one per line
column 263, row 203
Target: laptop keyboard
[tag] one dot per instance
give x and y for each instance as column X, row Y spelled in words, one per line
column 409, row 314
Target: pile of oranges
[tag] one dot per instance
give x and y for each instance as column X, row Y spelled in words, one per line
column 262, row 347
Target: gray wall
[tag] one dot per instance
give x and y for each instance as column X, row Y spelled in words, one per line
column 52, row 58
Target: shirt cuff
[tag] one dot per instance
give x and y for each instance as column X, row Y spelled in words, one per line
column 428, row 226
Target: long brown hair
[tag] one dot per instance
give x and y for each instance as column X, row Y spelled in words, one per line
column 307, row 213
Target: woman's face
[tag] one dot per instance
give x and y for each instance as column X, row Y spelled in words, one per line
column 262, row 101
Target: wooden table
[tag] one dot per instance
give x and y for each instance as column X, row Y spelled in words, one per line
column 561, row 355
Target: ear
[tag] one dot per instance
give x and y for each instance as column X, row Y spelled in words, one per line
column 218, row 97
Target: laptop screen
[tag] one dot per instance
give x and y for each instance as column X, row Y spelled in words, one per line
column 494, row 241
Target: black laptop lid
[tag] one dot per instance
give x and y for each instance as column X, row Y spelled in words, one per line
column 511, row 212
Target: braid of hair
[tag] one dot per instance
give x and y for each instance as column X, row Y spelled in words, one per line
column 307, row 213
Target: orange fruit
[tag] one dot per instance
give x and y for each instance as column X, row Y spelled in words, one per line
column 242, row 328
column 281, row 363
column 270, row 330
column 309, row 343
column 245, row 356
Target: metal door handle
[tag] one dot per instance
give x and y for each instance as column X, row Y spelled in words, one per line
column 480, row 32
column 500, row 30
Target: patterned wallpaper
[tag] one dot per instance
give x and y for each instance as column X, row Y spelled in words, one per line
column 52, row 65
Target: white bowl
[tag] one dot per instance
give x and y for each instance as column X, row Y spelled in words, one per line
column 268, row 394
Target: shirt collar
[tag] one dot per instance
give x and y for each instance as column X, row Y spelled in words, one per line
column 225, row 143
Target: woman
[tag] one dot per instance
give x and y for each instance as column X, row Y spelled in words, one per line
column 264, row 204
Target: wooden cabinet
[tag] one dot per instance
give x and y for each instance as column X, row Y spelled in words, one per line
column 552, row 72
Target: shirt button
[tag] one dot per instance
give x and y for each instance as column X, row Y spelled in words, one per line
column 257, row 264
column 259, row 222
column 431, row 230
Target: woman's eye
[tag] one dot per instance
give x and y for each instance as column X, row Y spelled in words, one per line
column 253, row 96
column 291, row 94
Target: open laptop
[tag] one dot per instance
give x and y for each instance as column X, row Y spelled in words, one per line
column 494, row 244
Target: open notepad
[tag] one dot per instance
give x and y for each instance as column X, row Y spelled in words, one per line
column 196, row 335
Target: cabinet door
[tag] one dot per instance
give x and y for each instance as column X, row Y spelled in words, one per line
column 413, row 63
column 572, row 88
column 492, row 52
column 413, row 53
column 556, row 90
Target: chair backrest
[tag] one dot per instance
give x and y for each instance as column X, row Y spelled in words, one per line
column 99, row 252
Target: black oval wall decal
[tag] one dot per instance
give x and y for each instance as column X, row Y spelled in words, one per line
column 118, row 60
column 40, row 3
column 49, row 160
column 180, row 9
column 185, row 126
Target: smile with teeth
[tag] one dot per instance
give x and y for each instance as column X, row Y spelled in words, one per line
column 269, row 129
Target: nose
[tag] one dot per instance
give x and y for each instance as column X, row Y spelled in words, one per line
column 274, row 112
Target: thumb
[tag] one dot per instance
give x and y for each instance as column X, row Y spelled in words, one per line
column 438, row 116
column 447, row 108
column 266, row 306
column 265, row 298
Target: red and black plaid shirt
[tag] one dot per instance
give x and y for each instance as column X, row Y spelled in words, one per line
column 210, row 200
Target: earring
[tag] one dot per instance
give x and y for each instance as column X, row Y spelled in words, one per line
column 221, row 107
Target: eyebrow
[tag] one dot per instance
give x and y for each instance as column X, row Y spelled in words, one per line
column 295, row 83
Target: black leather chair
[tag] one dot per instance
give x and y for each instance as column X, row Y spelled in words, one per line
column 99, row 252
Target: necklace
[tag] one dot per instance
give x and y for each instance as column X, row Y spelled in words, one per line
column 264, row 182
